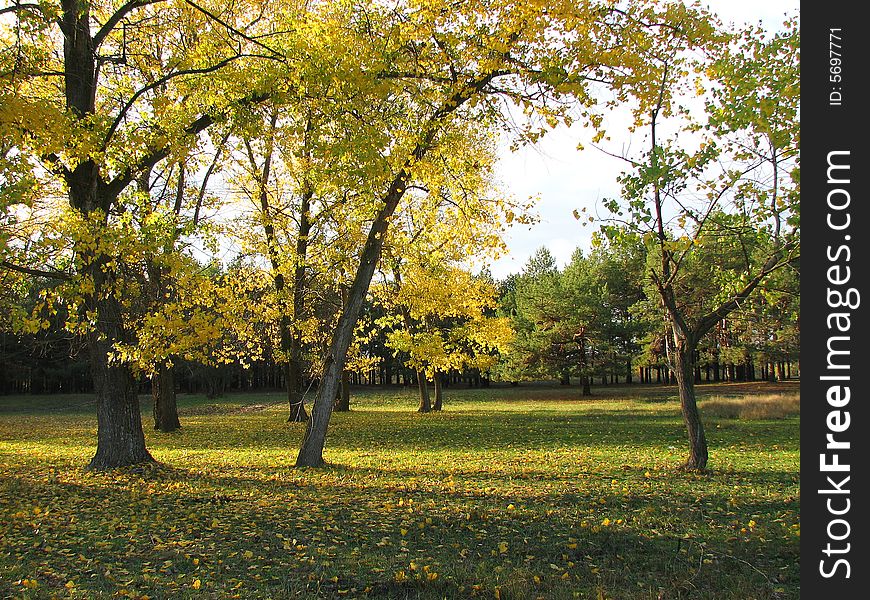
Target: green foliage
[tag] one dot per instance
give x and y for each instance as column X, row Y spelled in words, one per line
column 578, row 321
column 515, row 493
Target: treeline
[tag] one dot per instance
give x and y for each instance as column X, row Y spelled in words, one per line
column 589, row 323
column 596, row 320
column 346, row 153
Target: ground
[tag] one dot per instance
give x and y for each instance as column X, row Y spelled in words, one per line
column 523, row 493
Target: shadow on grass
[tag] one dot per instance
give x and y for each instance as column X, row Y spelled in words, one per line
column 682, row 549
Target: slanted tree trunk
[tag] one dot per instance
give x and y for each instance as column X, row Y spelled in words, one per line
column 164, row 398
column 311, row 451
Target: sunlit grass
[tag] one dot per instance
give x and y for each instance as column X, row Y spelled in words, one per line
column 510, row 493
column 766, row 406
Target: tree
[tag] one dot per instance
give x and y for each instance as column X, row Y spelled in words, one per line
column 129, row 97
column 617, row 270
column 565, row 319
column 442, row 323
column 537, row 304
column 454, row 63
column 720, row 217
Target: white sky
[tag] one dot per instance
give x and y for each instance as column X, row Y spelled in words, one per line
column 567, row 179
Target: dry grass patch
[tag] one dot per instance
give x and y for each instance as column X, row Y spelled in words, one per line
column 770, row 406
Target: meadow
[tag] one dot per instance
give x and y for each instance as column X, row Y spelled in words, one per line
column 509, row 493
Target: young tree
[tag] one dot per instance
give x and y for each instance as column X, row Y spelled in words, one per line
column 537, row 304
column 722, row 216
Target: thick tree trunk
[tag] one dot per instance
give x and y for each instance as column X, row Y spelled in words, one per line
column 684, row 370
column 439, row 394
column 120, row 439
column 425, row 402
column 163, row 396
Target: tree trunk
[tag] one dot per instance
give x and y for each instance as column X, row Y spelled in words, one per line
column 295, row 376
column 585, row 379
column 294, row 368
column 342, row 401
column 425, row 403
column 439, row 395
column 120, row 439
column 311, row 451
column 163, row 395
column 684, row 370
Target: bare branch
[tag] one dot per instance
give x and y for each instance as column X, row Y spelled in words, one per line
column 35, row 272
column 116, row 18
column 232, row 29
column 207, row 176
column 19, row 7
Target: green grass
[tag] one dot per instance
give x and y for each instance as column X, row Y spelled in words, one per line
column 511, row 493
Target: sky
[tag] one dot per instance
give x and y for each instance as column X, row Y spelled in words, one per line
column 566, row 179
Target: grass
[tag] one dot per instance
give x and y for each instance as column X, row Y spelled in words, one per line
column 761, row 406
column 510, row 493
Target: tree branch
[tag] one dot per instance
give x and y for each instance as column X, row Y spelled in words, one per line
column 157, row 154
column 19, row 7
column 113, row 21
column 202, row 71
column 35, row 272
column 232, row 29
column 710, row 319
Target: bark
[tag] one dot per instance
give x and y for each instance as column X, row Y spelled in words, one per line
column 120, row 439
column 342, row 401
column 439, row 394
column 425, row 402
column 684, row 370
column 165, row 401
column 291, row 346
column 311, row 451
